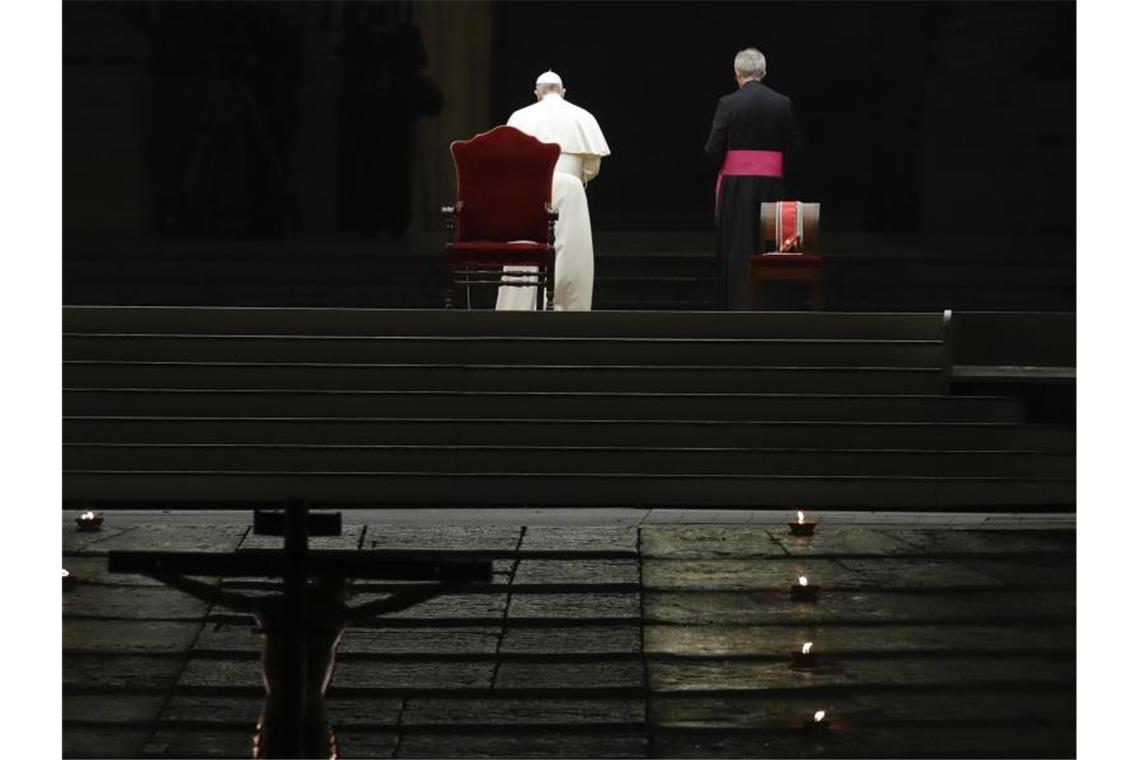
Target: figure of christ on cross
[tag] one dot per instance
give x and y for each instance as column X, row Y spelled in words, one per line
column 287, row 722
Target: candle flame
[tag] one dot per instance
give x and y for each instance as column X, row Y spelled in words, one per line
column 803, row 580
column 819, row 716
column 801, row 516
column 807, row 647
column 87, row 516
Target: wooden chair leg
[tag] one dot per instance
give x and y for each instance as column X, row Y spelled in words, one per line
column 816, row 292
column 549, row 280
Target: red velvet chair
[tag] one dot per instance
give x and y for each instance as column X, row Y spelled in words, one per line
column 789, row 248
column 502, row 214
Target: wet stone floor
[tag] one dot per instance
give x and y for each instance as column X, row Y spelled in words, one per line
column 651, row 640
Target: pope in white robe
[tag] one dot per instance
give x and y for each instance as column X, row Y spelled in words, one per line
column 552, row 119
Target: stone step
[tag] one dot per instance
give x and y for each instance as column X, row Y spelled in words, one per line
column 170, row 402
column 966, row 299
column 655, row 302
column 442, row 323
column 540, row 432
column 171, row 490
column 839, row 642
column 509, row 351
column 996, row 606
column 379, row 678
column 614, row 741
column 531, row 460
column 455, row 377
column 850, row 739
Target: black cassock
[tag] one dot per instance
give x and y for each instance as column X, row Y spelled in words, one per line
column 754, row 118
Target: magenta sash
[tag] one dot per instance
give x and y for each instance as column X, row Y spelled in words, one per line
column 751, row 163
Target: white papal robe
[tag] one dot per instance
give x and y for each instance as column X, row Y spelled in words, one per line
column 552, row 119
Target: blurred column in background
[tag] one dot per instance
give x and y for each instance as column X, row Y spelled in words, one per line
column 105, row 58
column 458, row 41
column 384, row 94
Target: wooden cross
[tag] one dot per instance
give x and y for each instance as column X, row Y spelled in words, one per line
column 288, row 683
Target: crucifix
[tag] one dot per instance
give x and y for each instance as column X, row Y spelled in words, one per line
column 301, row 627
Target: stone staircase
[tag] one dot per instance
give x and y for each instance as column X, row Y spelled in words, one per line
column 231, row 407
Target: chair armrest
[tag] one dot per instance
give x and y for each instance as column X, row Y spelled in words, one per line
column 450, row 214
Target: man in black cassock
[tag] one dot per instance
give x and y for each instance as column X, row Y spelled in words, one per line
column 754, row 132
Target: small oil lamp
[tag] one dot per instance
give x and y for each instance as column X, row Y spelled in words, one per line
column 69, row 580
column 89, row 521
column 805, row 658
column 818, row 722
column 802, row 591
column 801, row 527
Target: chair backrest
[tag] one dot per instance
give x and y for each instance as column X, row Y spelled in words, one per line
column 786, row 221
column 503, row 179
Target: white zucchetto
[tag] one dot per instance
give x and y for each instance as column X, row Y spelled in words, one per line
column 548, row 77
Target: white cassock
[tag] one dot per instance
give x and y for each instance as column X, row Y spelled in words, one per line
column 577, row 133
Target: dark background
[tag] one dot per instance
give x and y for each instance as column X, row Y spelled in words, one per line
column 885, row 92
column 948, row 128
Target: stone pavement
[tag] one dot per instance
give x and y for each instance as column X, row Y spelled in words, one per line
column 648, row 635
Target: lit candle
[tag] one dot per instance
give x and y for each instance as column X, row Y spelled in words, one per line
column 818, row 722
column 804, row 658
column 801, row 527
column 69, row 580
column 803, row 591
column 89, row 521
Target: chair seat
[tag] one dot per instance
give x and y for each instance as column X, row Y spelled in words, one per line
column 798, row 260
column 491, row 246
column 494, row 254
